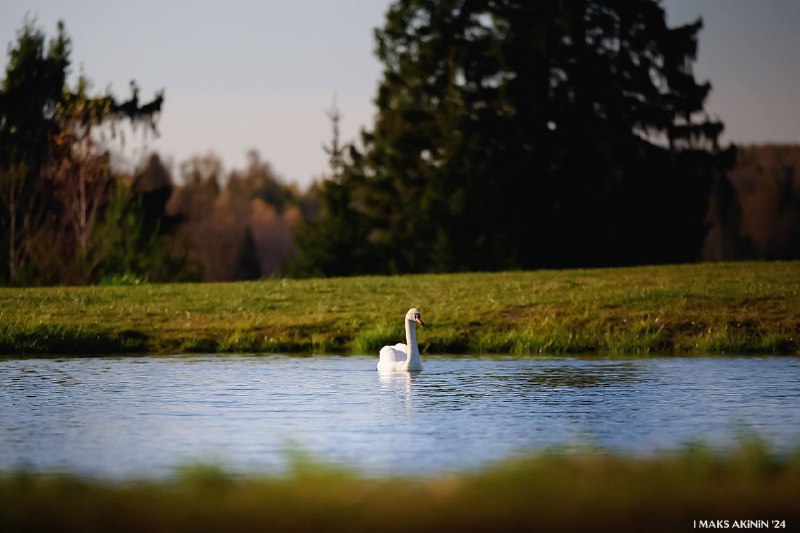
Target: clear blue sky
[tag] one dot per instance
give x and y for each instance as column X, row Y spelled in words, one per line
column 248, row 74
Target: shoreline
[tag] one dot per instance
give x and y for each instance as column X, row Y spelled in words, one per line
column 696, row 309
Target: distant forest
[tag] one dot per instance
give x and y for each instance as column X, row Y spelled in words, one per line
column 243, row 230
column 230, row 226
column 508, row 135
column 763, row 220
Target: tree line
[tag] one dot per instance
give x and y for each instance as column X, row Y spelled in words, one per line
column 508, row 135
column 515, row 134
column 67, row 216
column 236, row 225
column 763, row 218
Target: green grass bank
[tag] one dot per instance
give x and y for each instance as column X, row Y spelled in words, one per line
column 715, row 308
column 539, row 493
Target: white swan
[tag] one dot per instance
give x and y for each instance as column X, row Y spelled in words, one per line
column 403, row 356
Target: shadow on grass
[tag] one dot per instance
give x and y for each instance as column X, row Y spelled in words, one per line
column 69, row 339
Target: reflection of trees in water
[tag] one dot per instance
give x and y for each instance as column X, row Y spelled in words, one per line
column 456, row 390
column 489, row 383
column 599, row 376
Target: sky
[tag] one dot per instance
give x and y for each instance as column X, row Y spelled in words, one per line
column 261, row 74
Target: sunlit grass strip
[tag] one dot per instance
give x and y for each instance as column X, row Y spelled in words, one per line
column 542, row 492
column 722, row 308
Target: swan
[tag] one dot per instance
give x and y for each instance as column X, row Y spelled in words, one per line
column 403, row 356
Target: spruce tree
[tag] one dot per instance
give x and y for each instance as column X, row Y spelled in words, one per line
column 515, row 134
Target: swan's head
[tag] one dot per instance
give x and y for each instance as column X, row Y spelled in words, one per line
column 414, row 316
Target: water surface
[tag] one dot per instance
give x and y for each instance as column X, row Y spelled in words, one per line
column 123, row 417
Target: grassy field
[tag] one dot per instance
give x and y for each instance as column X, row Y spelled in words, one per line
column 539, row 493
column 718, row 308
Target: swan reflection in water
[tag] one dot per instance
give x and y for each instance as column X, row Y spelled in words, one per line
column 398, row 386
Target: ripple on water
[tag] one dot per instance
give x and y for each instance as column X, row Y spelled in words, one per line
column 143, row 416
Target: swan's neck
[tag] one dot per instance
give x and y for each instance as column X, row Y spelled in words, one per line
column 411, row 340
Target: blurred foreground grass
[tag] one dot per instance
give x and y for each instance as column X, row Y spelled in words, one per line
column 716, row 308
column 545, row 492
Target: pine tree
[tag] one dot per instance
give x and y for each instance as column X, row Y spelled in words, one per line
column 30, row 91
column 529, row 134
column 338, row 242
column 55, row 177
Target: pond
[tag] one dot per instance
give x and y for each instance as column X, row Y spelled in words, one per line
column 122, row 417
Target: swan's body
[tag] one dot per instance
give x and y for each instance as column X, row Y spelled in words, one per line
column 403, row 357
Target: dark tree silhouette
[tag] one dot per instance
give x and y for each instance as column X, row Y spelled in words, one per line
column 526, row 134
column 55, row 176
column 31, row 89
column 336, row 243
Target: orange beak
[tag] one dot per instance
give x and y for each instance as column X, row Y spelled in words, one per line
column 419, row 320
